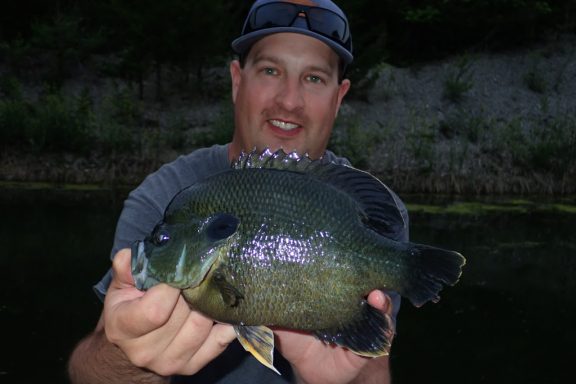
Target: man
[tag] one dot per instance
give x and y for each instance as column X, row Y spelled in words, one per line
column 287, row 88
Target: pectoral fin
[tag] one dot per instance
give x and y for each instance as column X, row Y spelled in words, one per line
column 230, row 294
column 259, row 341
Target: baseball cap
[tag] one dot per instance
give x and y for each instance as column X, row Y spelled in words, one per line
column 321, row 19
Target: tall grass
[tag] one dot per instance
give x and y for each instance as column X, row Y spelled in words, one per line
column 466, row 153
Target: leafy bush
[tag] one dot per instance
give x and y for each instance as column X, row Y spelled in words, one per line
column 356, row 142
column 458, row 81
column 16, row 122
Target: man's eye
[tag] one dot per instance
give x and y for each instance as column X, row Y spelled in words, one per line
column 315, row 79
column 270, row 71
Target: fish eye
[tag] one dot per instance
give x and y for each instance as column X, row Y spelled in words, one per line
column 222, row 226
column 161, row 237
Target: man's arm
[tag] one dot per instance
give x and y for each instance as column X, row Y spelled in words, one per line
column 95, row 360
column 144, row 332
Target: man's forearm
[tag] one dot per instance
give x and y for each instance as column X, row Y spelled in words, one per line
column 97, row 361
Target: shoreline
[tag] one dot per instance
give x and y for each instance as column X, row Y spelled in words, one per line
column 112, row 173
column 69, row 194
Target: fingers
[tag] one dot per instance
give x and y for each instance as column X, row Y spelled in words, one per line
column 220, row 336
column 133, row 317
column 166, row 347
column 130, row 313
column 183, row 345
column 157, row 329
column 380, row 300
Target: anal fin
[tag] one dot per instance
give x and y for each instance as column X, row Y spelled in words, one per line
column 259, row 341
column 370, row 334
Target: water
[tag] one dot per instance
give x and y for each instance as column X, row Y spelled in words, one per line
column 510, row 319
column 50, row 254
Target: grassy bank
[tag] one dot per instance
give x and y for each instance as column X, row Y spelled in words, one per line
column 67, row 139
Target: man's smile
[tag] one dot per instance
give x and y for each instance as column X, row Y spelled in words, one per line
column 283, row 128
column 283, row 125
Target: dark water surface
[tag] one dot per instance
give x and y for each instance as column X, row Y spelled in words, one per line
column 511, row 319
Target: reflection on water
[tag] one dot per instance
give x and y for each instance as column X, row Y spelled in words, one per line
column 509, row 320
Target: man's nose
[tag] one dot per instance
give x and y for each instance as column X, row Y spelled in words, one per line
column 290, row 96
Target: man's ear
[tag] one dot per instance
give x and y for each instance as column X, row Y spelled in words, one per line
column 342, row 91
column 236, row 78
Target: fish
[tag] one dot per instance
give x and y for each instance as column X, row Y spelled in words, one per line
column 280, row 240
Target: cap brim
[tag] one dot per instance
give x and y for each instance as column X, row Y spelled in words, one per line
column 243, row 43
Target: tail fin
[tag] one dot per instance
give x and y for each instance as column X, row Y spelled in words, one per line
column 429, row 270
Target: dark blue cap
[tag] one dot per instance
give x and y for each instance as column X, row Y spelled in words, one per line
column 338, row 37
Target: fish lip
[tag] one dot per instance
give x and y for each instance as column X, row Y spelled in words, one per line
column 139, row 265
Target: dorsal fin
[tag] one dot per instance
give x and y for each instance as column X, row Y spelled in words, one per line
column 380, row 209
column 273, row 160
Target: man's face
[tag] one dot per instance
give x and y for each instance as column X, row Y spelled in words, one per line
column 286, row 96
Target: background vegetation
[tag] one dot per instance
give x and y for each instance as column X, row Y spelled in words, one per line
column 154, row 54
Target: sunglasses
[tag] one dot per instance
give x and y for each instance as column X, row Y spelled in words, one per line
column 320, row 20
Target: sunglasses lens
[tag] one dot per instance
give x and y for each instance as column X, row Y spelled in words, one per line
column 320, row 20
column 327, row 23
column 273, row 15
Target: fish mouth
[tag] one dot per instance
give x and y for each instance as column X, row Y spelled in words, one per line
column 140, row 267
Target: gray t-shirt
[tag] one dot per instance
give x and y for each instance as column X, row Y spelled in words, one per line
column 145, row 207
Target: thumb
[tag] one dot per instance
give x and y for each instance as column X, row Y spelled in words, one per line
column 380, row 301
column 121, row 269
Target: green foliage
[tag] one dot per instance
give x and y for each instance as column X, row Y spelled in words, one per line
column 552, row 146
column 472, row 128
column 458, row 80
column 10, row 87
column 356, row 142
column 220, row 132
column 53, row 123
column 63, row 123
column 116, row 122
column 370, row 34
column 534, row 78
column 425, row 14
column 147, row 36
column 175, row 136
column 420, row 141
column 16, row 121
column 17, row 55
column 547, row 146
column 113, row 137
column 63, row 43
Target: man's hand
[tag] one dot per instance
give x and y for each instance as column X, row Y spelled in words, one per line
column 156, row 329
column 314, row 361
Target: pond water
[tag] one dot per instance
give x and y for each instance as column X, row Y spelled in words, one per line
column 509, row 320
